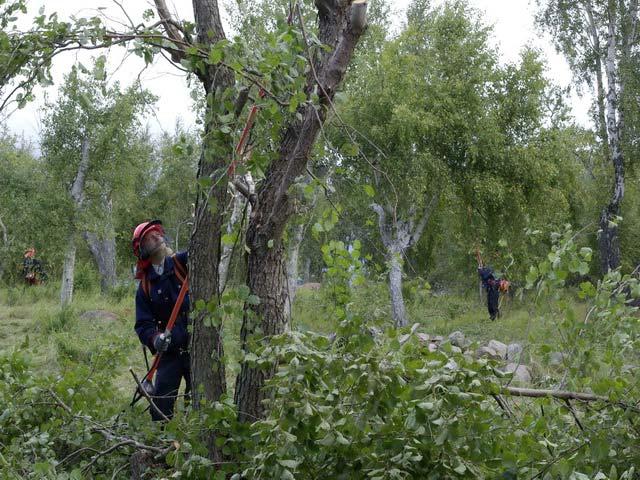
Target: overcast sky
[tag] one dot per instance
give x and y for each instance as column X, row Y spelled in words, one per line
column 512, row 21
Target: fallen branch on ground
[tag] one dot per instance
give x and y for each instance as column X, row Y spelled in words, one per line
column 564, row 395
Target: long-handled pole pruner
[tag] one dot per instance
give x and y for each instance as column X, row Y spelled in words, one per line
column 478, row 257
column 147, row 382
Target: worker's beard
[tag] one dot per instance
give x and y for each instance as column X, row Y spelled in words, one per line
column 159, row 253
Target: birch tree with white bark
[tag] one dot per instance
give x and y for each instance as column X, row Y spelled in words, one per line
column 600, row 40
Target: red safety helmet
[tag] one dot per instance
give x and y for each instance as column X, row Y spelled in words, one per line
column 140, row 231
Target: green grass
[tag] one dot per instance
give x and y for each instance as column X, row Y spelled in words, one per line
column 58, row 339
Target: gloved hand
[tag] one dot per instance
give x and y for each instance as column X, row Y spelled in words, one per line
column 161, row 342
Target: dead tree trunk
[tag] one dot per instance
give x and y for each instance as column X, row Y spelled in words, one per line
column 103, row 248
column 77, row 195
column 341, row 23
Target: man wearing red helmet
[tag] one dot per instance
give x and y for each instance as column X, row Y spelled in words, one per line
column 161, row 276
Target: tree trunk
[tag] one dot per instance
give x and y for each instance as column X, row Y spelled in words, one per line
column 395, row 288
column 68, row 268
column 608, row 242
column 268, row 280
column 600, row 97
column 103, row 249
column 340, row 27
column 292, row 260
column 207, row 353
column 77, row 195
column 5, row 244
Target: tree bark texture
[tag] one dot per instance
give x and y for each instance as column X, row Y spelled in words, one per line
column 103, row 249
column 77, row 195
column 609, row 238
column 269, row 318
column 266, row 274
column 395, row 289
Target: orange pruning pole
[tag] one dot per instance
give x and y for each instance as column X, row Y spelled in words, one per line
column 244, row 137
column 478, row 257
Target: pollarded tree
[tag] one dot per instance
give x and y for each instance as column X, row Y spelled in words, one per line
column 600, row 40
column 87, row 143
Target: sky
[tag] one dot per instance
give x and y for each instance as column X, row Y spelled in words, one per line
column 512, row 21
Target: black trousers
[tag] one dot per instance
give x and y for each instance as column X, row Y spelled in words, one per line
column 172, row 369
column 493, row 296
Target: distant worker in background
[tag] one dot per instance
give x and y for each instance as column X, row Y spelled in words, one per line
column 494, row 286
column 32, row 270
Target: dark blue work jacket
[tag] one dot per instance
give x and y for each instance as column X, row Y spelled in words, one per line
column 486, row 275
column 153, row 312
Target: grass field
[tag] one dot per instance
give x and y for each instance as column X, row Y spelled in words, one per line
column 57, row 339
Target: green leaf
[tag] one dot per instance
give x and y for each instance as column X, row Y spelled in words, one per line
column 368, row 189
column 350, row 149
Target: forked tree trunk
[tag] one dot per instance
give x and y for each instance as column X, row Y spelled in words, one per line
column 77, row 195
column 340, row 27
column 397, row 237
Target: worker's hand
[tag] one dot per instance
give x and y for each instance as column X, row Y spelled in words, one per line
column 161, row 342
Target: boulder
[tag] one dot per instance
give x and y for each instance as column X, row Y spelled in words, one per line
column 310, row 286
column 423, row 337
column 514, row 350
column 486, row 352
column 499, row 347
column 458, row 339
column 557, row 359
column 521, row 373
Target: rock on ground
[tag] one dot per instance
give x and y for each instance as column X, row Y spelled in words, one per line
column 521, row 373
column 514, row 350
column 458, row 339
column 499, row 347
column 486, row 352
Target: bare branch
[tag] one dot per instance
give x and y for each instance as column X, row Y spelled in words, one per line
column 385, row 230
column 144, row 393
column 564, row 395
column 426, row 215
column 172, row 31
column 107, row 433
